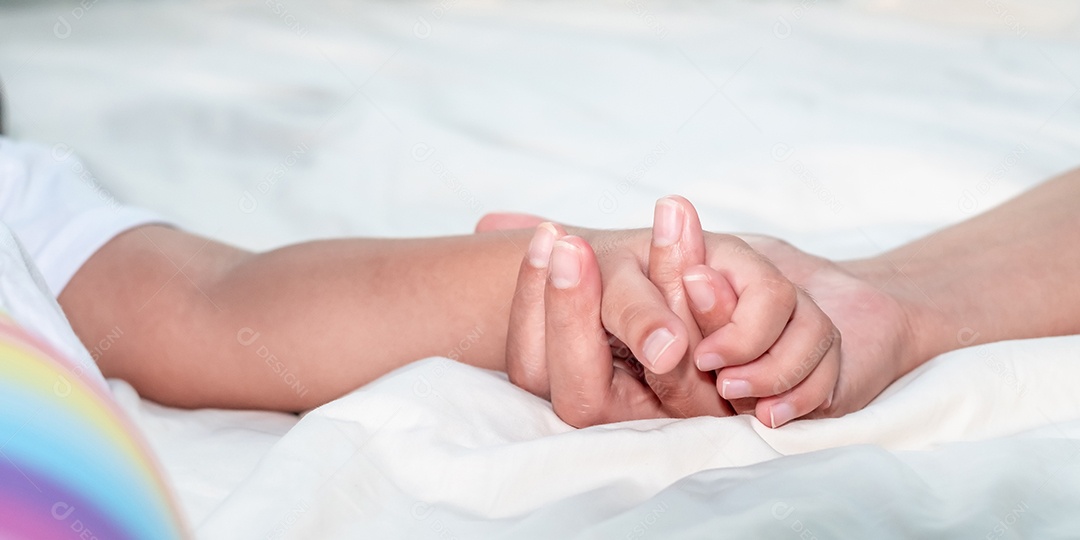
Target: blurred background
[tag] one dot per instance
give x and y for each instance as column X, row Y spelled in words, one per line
column 847, row 127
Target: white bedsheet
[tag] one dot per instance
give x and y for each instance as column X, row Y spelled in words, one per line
column 846, row 127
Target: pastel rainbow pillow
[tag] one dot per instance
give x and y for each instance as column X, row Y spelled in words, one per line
column 71, row 464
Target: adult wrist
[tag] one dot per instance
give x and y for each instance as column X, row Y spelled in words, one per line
column 927, row 330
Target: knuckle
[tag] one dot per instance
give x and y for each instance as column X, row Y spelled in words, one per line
column 803, row 401
column 530, row 289
column 614, row 243
column 569, row 317
column 630, row 317
column 738, row 349
column 783, row 382
column 769, row 243
column 666, row 270
column 784, row 292
column 809, row 399
column 770, row 247
column 826, row 339
column 751, row 248
column 837, row 408
column 832, row 411
column 677, row 398
column 738, row 246
column 667, row 278
column 563, row 325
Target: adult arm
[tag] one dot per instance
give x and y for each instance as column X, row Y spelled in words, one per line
column 1009, row 273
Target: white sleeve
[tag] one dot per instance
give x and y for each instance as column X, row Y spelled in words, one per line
column 24, row 298
column 58, row 210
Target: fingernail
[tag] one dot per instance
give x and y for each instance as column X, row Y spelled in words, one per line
column 667, row 224
column 656, row 344
column 780, row 414
column 828, row 402
column 700, row 291
column 565, row 265
column 541, row 244
column 735, row 389
column 710, row 361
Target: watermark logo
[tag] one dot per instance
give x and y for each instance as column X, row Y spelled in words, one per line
column 423, row 387
column 1011, row 22
column 641, row 9
column 249, row 201
column 248, row 337
column 422, row 28
column 286, row 16
column 62, row 511
column 422, row 511
column 290, row 519
column 1008, row 521
column 969, row 198
column 783, row 383
column 782, row 511
column 648, row 521
column 62, row 153
column 782, row 28
column 62, row 28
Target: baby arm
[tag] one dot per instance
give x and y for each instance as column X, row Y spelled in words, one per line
column 197, row 323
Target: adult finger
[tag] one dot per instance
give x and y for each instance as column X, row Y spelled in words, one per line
column 586, row 387
column 526, row 361
column 677, row 243
column 635, row 311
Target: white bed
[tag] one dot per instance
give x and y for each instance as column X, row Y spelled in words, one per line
column 847, row 127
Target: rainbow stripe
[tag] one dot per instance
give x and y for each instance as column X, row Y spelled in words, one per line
column 71, row 464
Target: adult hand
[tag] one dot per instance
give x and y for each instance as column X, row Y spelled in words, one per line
column 879, row 343
column 637, row 290
column 559, row 347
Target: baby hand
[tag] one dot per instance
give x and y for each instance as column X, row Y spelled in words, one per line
column 774, row 352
